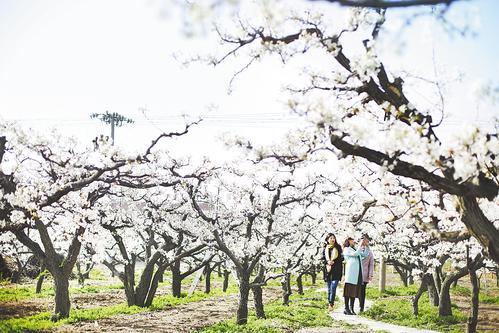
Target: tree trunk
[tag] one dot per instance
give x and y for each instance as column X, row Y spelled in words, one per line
column 242, row 307
column 154, row 285
column 81, row 278
column 415, row 300
column 480, row 226
column 226, row 280
column 129, row 285
column 437, row 277
column 207, row 281
column 299, row 284
column 444, row 308
column 286, row 288
column 401, row 272
column 39, row 281
column 313, row 275
column 432, row 291
column 61, row 289
column 258, row 301
column 258, row 293
column 410, row 278
column 473, row 318
column 176, row 279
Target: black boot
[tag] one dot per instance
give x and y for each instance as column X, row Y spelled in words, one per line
column 347, row 309
column 352, row 301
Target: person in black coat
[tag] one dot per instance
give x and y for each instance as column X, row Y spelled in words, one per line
column 333, row 267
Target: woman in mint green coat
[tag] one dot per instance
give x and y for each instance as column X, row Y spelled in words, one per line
column 353, row 273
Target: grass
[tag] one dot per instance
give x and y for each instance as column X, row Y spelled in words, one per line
column 17, row 293
column 42, row 322
column 399, row 311
column 487, row 296
column 306, row 310
column 374, row 293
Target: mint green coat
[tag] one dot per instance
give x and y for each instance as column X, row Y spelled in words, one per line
column 353, row 260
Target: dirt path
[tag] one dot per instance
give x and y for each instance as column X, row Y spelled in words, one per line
column 183, row 318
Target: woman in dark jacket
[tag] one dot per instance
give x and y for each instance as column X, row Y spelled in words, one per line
column 333, row 267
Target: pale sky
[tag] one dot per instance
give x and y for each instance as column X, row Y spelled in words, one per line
column 60, row 61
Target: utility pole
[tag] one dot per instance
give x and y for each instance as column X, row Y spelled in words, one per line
column 114, row 119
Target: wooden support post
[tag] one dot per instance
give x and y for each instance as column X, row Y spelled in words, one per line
column 382, row 275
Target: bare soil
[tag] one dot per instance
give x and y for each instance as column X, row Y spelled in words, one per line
column 183, row 318
column 488, row 314
column 17, row 309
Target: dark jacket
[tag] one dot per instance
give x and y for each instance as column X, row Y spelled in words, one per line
column 337, row 270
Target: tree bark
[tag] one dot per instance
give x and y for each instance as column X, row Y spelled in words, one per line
column 176, row 279
column 286, row 288
column 299, row 284
column 258, row 293
column 154, row 285
column 207, row 281
column 473, row 317
column 60, row 267
column 258, row 301
column 225, row 284
column 62, row 302
column 437, row 277
column 479, row 226
column 432, row 291
column 444, row 308
column 242, row 307
column 402, row 273
column 39, row 281
column 313, row 275
column 422, row 288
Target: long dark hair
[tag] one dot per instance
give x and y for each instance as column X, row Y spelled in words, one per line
column 336, row 245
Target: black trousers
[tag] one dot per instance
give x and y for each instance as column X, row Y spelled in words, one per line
column 362, row 298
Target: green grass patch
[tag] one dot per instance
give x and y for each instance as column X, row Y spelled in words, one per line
column 374, row 293
column 399, row 311
column 17, row 293
column 486, row 296
column 97, row 274
column 308, row 310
